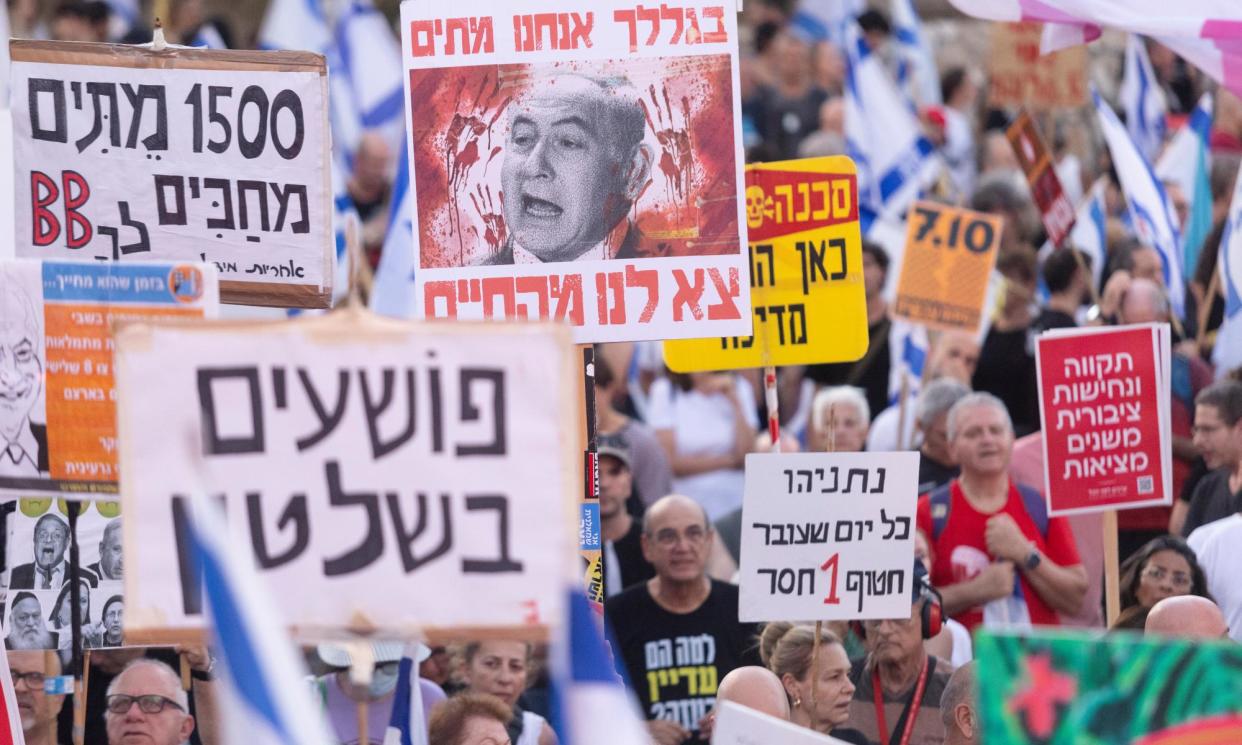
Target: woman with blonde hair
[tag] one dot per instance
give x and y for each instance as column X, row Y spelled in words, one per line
column 819, row 699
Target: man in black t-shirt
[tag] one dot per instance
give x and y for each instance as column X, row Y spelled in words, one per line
column 677, row 634
column 1218, row 438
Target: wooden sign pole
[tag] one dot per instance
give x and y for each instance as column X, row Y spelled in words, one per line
column 1112, row 589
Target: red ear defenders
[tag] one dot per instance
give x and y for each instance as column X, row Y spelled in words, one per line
column 931, row 615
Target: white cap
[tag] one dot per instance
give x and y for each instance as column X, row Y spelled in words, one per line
column 337, row 655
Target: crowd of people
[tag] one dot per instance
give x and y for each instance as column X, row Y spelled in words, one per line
column 672, row 449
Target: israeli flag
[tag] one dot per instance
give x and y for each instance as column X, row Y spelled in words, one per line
column 1227, row 352
column 408, row 722
column 883, row 136
column 825, row 20
column 590, row 703
column 919, row 65
column 1187, row 162
column 295, row 24
column 1142, row 99
column 368, row 59
column 392, row 294
column 262, row 685
column 907, row 348
column 1149, row 207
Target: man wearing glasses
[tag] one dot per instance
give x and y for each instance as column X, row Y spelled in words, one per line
column 37, row 709
column 678, row 634
column 147, row 705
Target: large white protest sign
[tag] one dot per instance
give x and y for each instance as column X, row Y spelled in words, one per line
column 740, row 725
column 828, row 536
column 582, row 164
column 125, row 153
column 381, row 474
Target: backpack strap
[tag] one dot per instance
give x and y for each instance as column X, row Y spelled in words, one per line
column 1036, row 507
column 940, row 499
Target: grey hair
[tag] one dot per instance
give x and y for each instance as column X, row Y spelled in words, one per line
column 111, row 529
column 624, row 101
column 959, row 690
column 937, row 398
column 976, row 399
column 839, row 394
column 174, row 681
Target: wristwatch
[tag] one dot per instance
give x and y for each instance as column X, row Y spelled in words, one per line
column 1032, row 560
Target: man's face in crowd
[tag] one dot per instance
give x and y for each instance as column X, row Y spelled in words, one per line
column 564, row 181
column 616, row 483
column 51, row 539
column 983, row 441
column 21, row 371
column 894, row 640
column 110, row 552
column 136, row 727
column 873, row 276
column 677, row 541
column 1215, row 440
column 34, row 706
column 956, row 356
column 29, row 630
column 1147, row 265
column 936, row 438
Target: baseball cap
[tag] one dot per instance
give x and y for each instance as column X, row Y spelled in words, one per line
column 614, row 446
column 337, row 655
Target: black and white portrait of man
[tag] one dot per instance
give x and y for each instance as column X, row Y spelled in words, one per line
column 574, row 164
column 24, row 441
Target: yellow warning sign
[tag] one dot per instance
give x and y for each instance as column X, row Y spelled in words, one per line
column 806, row 277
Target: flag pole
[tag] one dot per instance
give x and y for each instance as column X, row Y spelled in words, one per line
column 773, row 402
column 1209, row 298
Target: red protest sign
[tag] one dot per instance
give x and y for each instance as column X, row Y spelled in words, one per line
column 1104, row 409
column 1055, row 209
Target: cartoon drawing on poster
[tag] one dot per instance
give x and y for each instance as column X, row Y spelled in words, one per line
column 57, row 398
column 23, row 415
column 40, row 584
column 567, row 171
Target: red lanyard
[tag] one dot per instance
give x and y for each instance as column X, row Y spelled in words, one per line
column 912, row 708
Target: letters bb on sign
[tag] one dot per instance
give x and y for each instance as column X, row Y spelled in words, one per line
column 1104, row 409
column 806, row 280
column 828, row 536
column 418, row 476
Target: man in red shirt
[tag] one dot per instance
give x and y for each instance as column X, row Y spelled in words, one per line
column 997, row 554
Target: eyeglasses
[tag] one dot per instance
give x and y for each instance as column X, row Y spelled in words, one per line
column 119, row 703
column 1158, row 574
column 667, row 538
column 34, row 681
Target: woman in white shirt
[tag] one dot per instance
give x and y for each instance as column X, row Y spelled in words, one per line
column 706, row 422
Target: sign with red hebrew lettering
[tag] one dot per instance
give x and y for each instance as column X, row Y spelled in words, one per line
column 186, row 155
column 580, row 165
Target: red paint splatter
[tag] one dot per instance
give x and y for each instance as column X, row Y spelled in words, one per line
column 1045, row 689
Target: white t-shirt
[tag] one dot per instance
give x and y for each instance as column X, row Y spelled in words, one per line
column 703, row 425
column 882, row 438
column 1216, row 546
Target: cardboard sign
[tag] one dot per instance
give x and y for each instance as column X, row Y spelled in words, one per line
column 1104, row 410
column 1055, row 209
column 1020, row 76
column 579, row 165
column 740, row 725
column 383, row 475
column 828, row 536
column 59, row 434
column 1059, row 688
column 124, row 153
column 806, row 279
column 950, row 252
column 38, row 616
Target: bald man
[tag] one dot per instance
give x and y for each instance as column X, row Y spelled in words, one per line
column 679, row 628
column 755, row 688
column 959, row 708
column 574, row 164
column 1188, row 616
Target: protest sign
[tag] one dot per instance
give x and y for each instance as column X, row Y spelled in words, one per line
column 828, row 536
column 1104, row 411
column 806, row 278
column 39, row 582
column 59, row 433
column 126, row 153
column 946, row 266
column 1055, row 209
column 1020, row 76
column 1058, row 688
column 383, row 475
column 583, row 165
column 741, row 725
